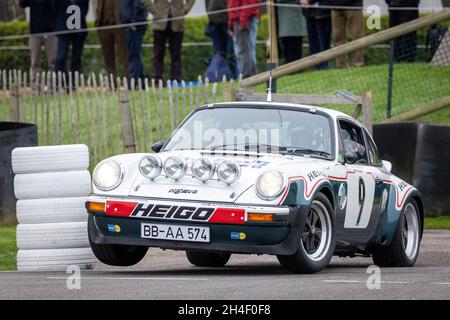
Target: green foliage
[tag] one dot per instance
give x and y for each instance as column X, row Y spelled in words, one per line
column 437, row 223
column 193, row 56
column 8, row 248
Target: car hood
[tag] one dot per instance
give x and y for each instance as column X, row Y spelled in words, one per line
column 189, row 188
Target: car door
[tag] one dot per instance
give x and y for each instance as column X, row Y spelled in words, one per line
column 380, row 175
column 359, row 220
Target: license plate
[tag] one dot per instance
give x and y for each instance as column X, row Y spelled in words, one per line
column 174, row 232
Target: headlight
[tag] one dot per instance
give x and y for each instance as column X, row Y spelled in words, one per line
column 270, row 185
column 228, row 171
column 108, row 175
column 175, row 167
column 150, row 167
column 203, row 169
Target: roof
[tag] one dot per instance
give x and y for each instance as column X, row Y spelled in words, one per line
column 333, row 113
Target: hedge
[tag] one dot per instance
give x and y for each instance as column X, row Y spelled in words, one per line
column 193, row 57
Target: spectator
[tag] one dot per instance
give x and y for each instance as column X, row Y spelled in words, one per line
column 107, row 13
column 318, row 21
column 42, row 20
column 133, row 11
column 243, row 26
column 165, row 29
column 73, row 38
column 218, row 26
column 405, row 46
column 291, row 30
column 348, row 19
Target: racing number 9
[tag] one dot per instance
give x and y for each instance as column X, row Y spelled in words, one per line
column 361, row 193
column 361, row 198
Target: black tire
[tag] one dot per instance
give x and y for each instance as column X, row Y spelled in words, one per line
column 114, row 254
column 304, row 262
column 208, row 259
column 395, row 255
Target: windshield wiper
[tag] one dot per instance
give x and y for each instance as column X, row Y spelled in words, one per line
column 311, row 152
column 247, row 146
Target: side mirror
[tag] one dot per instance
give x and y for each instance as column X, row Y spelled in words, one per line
column 387, row 165
column 156, row 147
column 350, row 157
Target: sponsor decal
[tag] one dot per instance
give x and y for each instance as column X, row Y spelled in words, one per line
column 184, row 191
column 257, row 164
column 175, row 212
column 313, row 175
column 238, row 236
column 114, row 228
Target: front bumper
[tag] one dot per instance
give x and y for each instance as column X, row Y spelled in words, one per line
column 279, row 237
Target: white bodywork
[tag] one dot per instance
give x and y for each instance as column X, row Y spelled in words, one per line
column 312, row 172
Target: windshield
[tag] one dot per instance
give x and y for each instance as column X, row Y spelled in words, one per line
column 257, row 129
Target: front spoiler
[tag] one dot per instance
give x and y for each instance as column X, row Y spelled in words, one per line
column 275, row 239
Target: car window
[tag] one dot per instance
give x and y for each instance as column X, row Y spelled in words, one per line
column 353, row 141
column 373, row 152
column 226, row 128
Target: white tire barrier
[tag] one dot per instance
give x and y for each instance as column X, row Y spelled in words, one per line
column 51, row 210
column 52, row 235
column 50, row 159
column 54, row 259
column 52, row 185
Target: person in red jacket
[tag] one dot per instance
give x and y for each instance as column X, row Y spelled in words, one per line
column 243, row 26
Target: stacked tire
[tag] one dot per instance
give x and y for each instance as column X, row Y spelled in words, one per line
column 51, row 185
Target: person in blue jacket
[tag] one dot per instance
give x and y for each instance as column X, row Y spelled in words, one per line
column 133, row 11
column 71, row 37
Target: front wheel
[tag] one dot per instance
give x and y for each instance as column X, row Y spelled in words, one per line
column 114, row 254
column 207, row 259
column 404, row 248
column 317, row 241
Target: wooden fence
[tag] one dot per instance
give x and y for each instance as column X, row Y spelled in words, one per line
column 111, row 116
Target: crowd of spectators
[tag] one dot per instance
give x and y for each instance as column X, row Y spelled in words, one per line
column 232, row 26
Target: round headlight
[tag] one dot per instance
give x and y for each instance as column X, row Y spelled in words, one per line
column 228, row 171
column 150, row 167
column 203, row 169
column 175, row 167
column 108, row 175
column 270, row 185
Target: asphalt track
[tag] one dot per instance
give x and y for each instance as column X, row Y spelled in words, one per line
column 168, row 275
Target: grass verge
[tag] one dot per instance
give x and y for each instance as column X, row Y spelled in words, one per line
column 437, row 223
column 414, row 85
column 8, row 248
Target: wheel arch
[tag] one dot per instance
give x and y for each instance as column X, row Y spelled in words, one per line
column 419, row 201
column 327, row 190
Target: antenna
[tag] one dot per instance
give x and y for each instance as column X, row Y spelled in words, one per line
column 269, row 89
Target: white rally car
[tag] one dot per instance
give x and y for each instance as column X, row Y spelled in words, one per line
column 299, row 182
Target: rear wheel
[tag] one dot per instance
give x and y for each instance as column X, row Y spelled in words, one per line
column 114, row 254
column 404, row 248
column 207, row 259
column 317, row 241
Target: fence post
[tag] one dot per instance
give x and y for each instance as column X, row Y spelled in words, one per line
column 127, row 122
column 15, row 102
column 390, row 79
column 366, row 100
column 230, row 94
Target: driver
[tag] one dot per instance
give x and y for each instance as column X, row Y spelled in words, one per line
column 307, row 137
